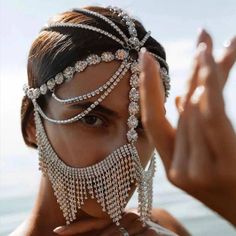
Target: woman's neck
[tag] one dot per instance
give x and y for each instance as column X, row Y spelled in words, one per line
column 46, row 214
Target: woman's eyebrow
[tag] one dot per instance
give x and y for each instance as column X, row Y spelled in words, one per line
column 98, row 108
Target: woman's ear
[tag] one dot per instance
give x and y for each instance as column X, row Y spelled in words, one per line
column 30, row 130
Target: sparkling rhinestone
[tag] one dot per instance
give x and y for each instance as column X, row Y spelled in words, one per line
column 132, row 31
column 125, row 17
column 80, row 65
column 135, row 67
column 93, row 59
column 107, row 56
column 167, row 78
column 129, row 22
column 167, row 86
column 30, row 93
column 59, row 78
column 132, row 135
column 134, row 41
column 43, row 89
column 132, row 122
column 121, row 54
column 134, row 81
column 121, row 14
column 51, row 83
column 36, row 93
column 69, row 72
column 134, row 95
column 133, row 108
column 25, row 88
column 164, row 71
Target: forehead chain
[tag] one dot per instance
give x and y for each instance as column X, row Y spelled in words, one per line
column 110, row 180
column 127, row 43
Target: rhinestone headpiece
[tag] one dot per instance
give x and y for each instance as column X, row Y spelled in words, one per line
column 109, row 180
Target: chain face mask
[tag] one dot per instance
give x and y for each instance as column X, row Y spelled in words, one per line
column 108, row 181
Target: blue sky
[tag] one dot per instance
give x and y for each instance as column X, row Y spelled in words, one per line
column 173, row 23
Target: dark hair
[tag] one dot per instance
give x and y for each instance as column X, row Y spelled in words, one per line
column 55, row 49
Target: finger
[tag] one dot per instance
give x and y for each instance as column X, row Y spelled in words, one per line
column 133, row 228
column 179, row 104
column 212, row 100
column 193, row 79
column 82, row 226
column 205, row 37
column 137, row 227
column 200, row 158
column 154, row 231
column 204, row 42
column 125, row 222
column 152, row 108
column 227, row 61
column 216, row 123
column 179, row 168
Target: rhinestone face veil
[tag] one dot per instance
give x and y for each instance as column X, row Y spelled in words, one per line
column 109, row 180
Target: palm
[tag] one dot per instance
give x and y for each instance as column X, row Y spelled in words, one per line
column 200, row 155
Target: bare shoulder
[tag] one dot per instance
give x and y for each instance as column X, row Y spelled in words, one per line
column 166, row 220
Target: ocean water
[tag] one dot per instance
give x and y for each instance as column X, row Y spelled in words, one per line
column 19, row 184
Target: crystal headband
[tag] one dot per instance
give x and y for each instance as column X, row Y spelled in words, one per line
column 79, row 66
column 127, row 43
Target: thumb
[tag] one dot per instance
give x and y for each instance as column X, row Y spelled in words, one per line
column 179, row 101
column 82, row 226
column 158, row 127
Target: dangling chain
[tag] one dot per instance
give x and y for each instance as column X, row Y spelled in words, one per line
column 110, row 180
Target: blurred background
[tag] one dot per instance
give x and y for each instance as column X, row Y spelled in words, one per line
column 175, row 25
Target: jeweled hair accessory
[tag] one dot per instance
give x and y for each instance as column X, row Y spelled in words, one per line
column 110, row 180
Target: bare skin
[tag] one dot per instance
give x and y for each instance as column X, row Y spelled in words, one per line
column 200, row 155
column 84, row 143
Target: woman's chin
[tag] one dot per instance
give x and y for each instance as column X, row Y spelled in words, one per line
column 92, row 208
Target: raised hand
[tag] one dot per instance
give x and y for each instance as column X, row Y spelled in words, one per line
column 200, row 155
column 130, row 223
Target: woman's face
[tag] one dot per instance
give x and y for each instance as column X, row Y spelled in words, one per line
column 94, row 137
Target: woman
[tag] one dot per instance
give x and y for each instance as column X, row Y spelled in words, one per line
column 82, row 104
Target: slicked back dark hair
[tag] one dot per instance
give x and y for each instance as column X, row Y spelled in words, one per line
column 55, row 49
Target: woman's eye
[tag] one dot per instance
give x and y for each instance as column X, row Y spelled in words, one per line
column 92, row 120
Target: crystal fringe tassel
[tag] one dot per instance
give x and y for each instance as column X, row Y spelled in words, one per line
column 109, row 181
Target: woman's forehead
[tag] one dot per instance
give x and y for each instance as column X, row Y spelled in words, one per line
column 94, row 77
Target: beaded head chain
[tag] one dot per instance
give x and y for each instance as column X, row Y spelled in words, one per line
column 109, row 180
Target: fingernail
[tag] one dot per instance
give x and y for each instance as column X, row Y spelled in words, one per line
column 141, row 57
column 227, row 43
column 200, row 30
column 195, row 98
column 59, row 229
column 202, row 47
column 230, row 43
column 180, row 104
column 201, row 51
